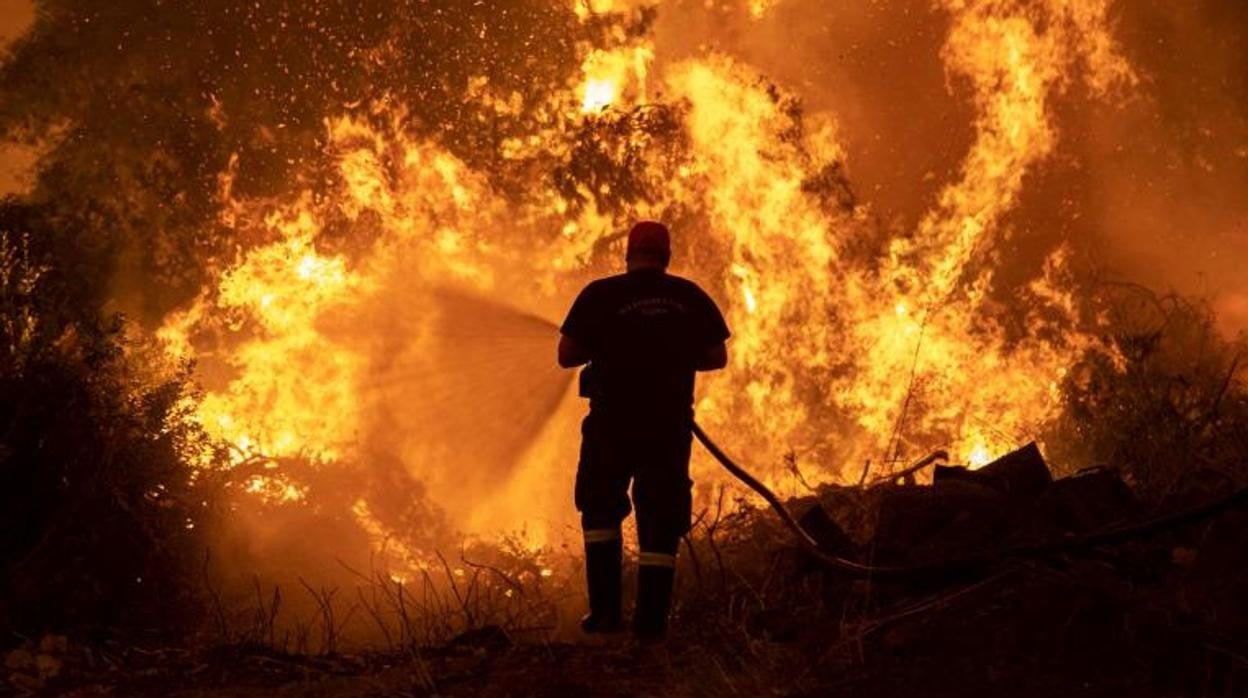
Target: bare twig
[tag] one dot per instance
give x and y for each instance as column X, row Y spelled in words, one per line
column 790, row 462
column 710, row 538
column 223, row 625
column 463, row 601
column 266, row 616
column 506, row 578
column 913, row 468
column 937, row 601
column 324, row 599
column 899, row 428
column 693, row 553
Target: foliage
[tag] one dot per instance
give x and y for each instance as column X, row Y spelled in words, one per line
column 101, row 524
column 1172, row 411
column 147, row 105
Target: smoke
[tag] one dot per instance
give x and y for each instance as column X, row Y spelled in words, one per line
column 16, row 162
column 1169, row 173
column 16, row 17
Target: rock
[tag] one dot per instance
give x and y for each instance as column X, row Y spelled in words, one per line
column 1092, row 499
column 929, row 524
column 943, row 475
column 1183, row 557
column 48, row 666
column 1022, row 473
column 54, row 644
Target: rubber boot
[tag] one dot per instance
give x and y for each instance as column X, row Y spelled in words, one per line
column 654, row 602
column 603, row 560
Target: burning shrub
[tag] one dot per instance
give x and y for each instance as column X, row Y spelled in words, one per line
column 1172, row 413
column 102, row 522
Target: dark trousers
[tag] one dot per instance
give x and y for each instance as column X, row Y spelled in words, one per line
column 652, row 453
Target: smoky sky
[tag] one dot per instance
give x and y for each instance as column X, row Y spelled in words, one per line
column 15, row 17
column 1172, row 171
column 15, row 163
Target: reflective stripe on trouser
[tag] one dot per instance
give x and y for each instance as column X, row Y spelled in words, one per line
column 652, row 559
column 601, row 535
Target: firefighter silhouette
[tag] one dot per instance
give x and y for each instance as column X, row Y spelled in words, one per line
column 642, row 337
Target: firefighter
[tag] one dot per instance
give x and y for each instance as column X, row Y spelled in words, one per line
column 641, row 336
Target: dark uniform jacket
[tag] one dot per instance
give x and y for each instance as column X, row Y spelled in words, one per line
column 644, row 332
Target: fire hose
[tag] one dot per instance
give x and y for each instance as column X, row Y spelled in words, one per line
column 1040, row 549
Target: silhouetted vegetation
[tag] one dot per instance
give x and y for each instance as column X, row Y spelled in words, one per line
column 1171, row 412
column 102, row 524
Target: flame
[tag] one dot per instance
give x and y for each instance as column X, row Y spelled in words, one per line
column 1014, row 69
column 275, row 295
column 760, row 8
column 979, row 457
column 608, row 74
column 587, row 9
column 756, row 202
column 837, row 354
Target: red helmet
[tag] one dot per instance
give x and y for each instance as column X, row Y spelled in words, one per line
column 649, row 237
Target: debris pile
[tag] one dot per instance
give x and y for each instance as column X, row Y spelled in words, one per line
column 1012, row 503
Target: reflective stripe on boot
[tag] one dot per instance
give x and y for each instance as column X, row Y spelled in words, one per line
column 655, row 574
column 603, row 560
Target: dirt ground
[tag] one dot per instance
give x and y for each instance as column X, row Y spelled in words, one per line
column 1078, row 628
column 1163, row 615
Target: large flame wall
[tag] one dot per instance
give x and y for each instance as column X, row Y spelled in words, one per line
column 346, row 350
column 378, row 344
